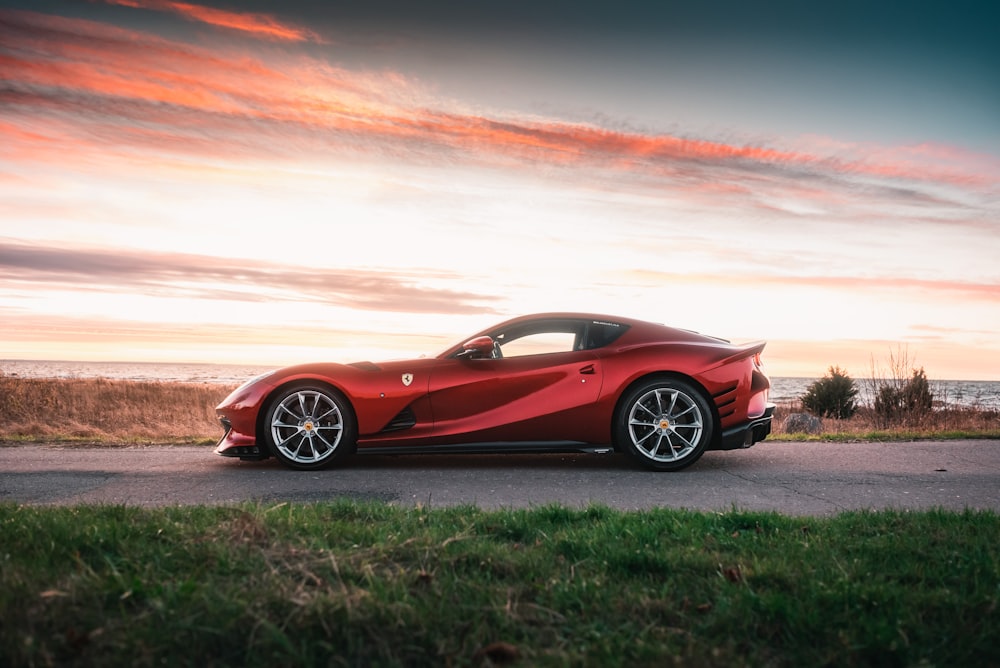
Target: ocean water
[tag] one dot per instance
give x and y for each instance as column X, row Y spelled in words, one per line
column 951, row 393
column 968, row 393
column 220, row 374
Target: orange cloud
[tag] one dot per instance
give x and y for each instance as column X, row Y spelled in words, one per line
column 126, row 86
column 264, row 26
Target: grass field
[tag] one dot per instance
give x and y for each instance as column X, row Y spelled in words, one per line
column 107, row 411
column 375, row 585
column 941, row 423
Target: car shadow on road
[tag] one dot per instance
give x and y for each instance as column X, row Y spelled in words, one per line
column 501, row 462
column 575, row 461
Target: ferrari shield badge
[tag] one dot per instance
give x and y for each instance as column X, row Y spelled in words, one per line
column 407, row 379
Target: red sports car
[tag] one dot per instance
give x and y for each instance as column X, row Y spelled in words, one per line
column 549, row 382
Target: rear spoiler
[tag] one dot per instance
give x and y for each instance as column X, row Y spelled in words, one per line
column 744, row 351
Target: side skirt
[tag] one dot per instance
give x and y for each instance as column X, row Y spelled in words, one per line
column 501, row 447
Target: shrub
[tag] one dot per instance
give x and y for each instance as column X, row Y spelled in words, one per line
column 916, row 396
column 832, row 396
column 904, row 402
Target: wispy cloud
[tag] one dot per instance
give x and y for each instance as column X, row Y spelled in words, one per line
column 145, row 136
column 977, row 291
column 155, row 93
column 61, row 336
column 204, row 277
column 263, row 26
column 27, row 328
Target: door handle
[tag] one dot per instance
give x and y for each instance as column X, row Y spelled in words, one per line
column 588, row 370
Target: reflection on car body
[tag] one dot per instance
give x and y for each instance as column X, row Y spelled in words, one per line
column 547, row 382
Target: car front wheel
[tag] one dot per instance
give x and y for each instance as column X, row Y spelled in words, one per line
column 310, row 426
column 664, row 424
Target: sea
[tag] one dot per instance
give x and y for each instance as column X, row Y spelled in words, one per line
column 950, row 393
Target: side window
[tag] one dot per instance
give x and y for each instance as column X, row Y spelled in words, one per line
column 600, row 334
column 540, row 344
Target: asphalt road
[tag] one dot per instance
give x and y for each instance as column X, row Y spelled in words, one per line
column 791, row 478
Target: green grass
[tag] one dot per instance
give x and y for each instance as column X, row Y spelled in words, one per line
column 372, row 584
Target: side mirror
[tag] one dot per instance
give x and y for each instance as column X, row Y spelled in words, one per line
column 481, row 346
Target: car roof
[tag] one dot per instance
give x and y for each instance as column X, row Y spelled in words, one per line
column 639, row 331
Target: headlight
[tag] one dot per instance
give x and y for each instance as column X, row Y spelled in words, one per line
column 254, row 380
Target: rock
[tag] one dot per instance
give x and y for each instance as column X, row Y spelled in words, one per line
column 802, row 423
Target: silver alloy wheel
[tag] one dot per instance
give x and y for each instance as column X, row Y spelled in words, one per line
column 307, row 426
column 665, row 424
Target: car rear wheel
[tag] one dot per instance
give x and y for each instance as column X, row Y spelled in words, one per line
column 664, row 424
column 310, row 426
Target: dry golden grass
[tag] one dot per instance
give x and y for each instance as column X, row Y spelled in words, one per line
column 118, row 411
column 108, row 411
column 944, row 422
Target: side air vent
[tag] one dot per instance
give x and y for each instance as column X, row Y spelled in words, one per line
column 725, row 401
column 404, row 420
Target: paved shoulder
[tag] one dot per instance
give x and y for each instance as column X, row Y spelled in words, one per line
column 792, row 478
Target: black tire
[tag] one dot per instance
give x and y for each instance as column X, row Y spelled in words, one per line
column 309, row 426
column 664, row 424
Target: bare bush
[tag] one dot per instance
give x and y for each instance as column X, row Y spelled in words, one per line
column 900, row 394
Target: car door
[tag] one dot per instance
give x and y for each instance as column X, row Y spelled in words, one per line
column 543, row 397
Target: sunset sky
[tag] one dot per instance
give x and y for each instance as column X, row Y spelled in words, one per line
column 275, row 182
